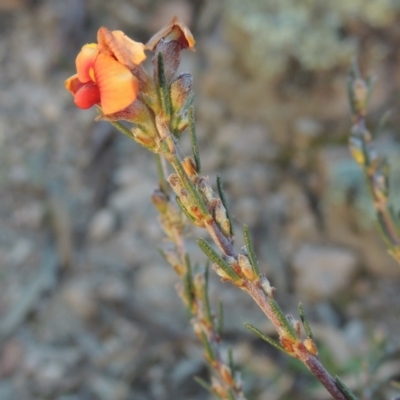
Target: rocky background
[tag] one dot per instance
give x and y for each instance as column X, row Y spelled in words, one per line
column 88, row 307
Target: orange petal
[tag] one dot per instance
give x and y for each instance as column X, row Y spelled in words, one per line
column 118, row 87
column 85, row 61
column 175, row 30
column 125, row 50
column 73, row 84
column 87, row 96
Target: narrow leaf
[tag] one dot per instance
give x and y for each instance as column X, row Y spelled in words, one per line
column 161, row 175
column 162, row 254
column 193, row 138
column 162, row 86
column 189, row 186
column 215, row 258
column 224, row 202
column 204, row 384
column 207, row 347
column 185, row 211
column 304, row 321
column 250, row 249
column 122, row 129
column 206, row 300
column 344, row 389
column 285, row 324
column 188, row 281
column 264, row 337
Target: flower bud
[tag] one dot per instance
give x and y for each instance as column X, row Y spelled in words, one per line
column 174, row 261
column 175, row 183
column 226, row 375
column 182, row 294
column 181, row 89
column 245, row 267
column 221, row 217
column 142, row 137
column 190, row 167
column 266, row 287
column 197, row 328
column 310, row 346
column 199, row 283
column 220, row 272
column 219, row 390
column 296, row 324
column 178, row 124
column 356, row 149
column 160, row 201
column 205, row 189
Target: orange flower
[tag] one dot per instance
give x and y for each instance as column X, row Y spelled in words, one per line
column 176, row 30
column 104, row 72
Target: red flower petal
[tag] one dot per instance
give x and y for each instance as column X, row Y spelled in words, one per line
column 87, row 96
column 73, row 84
column 118, row 87
column 85, row 61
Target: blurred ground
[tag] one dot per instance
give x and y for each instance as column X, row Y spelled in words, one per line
column 88, row 308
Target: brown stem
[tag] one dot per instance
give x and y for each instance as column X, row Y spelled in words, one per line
column 258, row 295
column 313, row 364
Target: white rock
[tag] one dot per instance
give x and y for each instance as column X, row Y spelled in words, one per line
column 322, row 271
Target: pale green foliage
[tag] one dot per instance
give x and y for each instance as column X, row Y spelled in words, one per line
column 268, row 33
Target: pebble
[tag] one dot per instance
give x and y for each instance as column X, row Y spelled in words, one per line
column 80, row 297
column 102, row 224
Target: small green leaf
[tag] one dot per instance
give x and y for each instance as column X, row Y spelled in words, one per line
column 286, row 325
column 207, row 346
column 266, row 338
column 162, row 254
column 224, row 202
column 161, row 175
column 206, row 301
column 250, row 249
column 193, row 138
column 204, row 384
column 215, row 258
column 344, row 389
column 304, row 321
column 162, row 86
column 122, row 129
column 188, row 185
column 185, row 211
column 188, row 281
